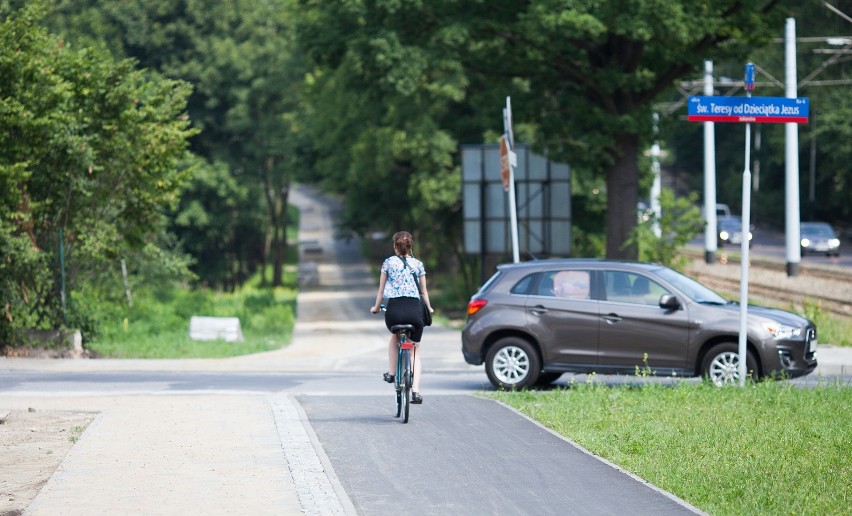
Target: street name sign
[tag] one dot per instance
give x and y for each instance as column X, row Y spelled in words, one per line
column 760, row 110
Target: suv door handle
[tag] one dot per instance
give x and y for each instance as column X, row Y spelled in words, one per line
column 611, row 318
column 538, row 310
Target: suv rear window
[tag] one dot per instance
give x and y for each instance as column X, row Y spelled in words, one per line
column 524, row 287
column 570, row 284
column 488, row 284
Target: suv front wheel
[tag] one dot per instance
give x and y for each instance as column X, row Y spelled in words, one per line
column 722, row 362
column 512, row 363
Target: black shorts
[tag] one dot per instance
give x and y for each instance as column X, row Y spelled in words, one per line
column 405, row 310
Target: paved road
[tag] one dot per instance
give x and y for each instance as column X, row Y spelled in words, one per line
column 771, row 243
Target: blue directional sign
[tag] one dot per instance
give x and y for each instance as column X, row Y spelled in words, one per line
column 761, row 110
column 749, row 77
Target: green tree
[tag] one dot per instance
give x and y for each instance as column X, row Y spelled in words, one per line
column 588, row 73
column 382, row 109
column 680, row 222
column 584, row 75
column 833, row 141
column 239, row 58
column 88, row 148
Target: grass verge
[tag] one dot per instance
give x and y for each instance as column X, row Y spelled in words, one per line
column 770, row 448
column 157, row 326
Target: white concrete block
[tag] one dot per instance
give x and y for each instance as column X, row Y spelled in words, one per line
column 213, row 328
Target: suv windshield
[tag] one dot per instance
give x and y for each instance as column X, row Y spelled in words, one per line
column 696, row 291
column 818, row 230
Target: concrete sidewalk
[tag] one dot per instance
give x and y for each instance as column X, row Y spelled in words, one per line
column 833, row 360
column 183, row 454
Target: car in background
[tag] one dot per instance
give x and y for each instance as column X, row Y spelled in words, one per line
column 730, row 230
column 818, row 237
column 722, row 210
column 533, row 321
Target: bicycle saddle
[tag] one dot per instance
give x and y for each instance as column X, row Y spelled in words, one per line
column 402, row 327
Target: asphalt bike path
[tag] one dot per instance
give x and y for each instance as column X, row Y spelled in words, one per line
column 457, row 454
column 468, row 455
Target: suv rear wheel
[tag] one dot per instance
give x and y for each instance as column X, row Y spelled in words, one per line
column 512, row 363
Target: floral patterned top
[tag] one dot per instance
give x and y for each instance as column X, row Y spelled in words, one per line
column 400, row 281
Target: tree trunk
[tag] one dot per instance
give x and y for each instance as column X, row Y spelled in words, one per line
column 280, row 235
column 264, row 254
column 277, row 196
column 622, row 182
column 269, row 248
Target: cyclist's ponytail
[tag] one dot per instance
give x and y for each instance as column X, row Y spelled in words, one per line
column 403, row 242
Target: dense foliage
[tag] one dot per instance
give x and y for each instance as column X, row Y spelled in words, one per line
column 245, row 98
column 191, row 145
column 412, row 79
column 89, row 148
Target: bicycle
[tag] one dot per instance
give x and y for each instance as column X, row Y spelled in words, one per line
column 404, row 371
column 404, row 379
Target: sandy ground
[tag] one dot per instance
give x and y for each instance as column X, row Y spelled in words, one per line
column 32, row 444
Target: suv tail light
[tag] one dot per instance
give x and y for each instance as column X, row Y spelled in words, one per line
column 475, row 305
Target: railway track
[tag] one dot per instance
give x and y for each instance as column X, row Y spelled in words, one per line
column 778, row 296
column 829, row 288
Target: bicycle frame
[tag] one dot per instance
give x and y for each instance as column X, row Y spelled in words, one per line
column 404, row 371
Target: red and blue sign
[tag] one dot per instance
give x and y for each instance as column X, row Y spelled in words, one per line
column 760, row 110
column 749, row 77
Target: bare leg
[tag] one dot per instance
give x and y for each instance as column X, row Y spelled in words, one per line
column 416, row 368
column 392, row 355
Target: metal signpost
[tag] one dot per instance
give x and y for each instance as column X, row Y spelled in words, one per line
column 508, row 162
column 711, row 238
column 543, row 201
column 748, row 110
column 746, row 221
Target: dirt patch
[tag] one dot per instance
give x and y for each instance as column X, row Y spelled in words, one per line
column 40, row 352
column 32, row 444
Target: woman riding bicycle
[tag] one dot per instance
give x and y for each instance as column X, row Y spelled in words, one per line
column 398, row 285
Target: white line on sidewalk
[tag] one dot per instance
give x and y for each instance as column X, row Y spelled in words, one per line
column 320, row 491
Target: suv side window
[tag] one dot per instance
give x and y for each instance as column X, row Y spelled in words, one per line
column 627, row 287
column 568, row 284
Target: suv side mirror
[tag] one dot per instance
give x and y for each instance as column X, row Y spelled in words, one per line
column 669, row 302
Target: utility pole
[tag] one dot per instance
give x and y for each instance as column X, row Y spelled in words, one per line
column 656, row 187
column 743, row 352
column 710, row 239
column 791, row 169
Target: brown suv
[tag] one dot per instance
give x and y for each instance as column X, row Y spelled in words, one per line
column 533, row 321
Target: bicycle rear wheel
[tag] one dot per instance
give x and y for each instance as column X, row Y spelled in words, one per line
column 399, row 383
column 406, row 385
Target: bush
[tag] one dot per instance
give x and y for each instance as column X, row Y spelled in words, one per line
column 157, row 325
column 679, row 223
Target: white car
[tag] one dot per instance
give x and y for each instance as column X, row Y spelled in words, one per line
column 731, row 230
